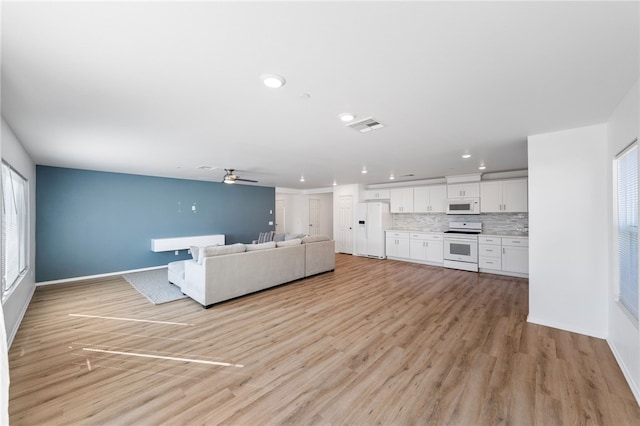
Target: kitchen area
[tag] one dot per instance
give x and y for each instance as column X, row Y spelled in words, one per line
column 465, row 223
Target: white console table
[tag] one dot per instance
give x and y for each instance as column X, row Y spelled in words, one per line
column 183, row 243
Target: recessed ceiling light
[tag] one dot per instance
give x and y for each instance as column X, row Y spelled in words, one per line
column 364, row 170
column 301, row 178
column 392, row 177
column 466, row 155
column 482, row 167
column 346, row 117
column 335, row 183
column 273, row 80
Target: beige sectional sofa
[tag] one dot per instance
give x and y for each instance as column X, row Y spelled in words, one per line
column 221, row 273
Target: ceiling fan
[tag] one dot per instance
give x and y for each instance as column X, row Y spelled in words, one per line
column 229, row 177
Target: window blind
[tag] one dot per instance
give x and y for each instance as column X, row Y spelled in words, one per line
column 14, row 227
column 627, row 183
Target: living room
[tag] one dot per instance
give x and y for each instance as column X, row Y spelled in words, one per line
column 99, row 198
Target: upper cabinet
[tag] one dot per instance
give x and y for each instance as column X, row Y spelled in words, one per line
column 506, row 196
column 377, row 194
column 429, row 199
column 401, row 200
column 463, row 190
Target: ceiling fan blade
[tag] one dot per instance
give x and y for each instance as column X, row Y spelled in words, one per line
column 246, row 180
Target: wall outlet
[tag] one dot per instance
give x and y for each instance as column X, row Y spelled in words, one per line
column 270, row 223
column 177, row 252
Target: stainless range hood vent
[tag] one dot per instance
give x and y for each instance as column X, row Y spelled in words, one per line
column 366, row 125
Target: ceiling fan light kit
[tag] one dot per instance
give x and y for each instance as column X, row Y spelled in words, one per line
column 231, row 178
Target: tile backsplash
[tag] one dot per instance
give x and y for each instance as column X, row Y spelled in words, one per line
column 491, row 222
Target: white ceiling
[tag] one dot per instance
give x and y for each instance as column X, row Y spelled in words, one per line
column 162, row 88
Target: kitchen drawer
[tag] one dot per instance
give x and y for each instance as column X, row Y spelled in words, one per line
column 489, row 251
column 490, row 263
column 396, row 234
column 428, row 237
column 515, row 242
column 489, row 240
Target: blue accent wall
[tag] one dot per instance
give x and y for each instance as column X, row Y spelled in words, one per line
column 91, row 223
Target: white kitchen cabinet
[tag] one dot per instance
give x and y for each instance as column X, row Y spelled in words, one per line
column 504, row 255
column 429, row 199
column 377, row 194
column 515, row 259
column 463, row 190
column 490, row 253
column 426, row 248
column 398, row 244
column 401, row 200
column 507, row 196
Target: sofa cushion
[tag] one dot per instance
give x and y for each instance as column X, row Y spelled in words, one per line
column 287, row 243
column 261, row 246
column 220, row 250
column 288, row 237
column 315, row 239
column 175, row 272
column 279, row 237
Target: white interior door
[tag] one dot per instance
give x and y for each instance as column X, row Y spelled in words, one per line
column 280, row 217
column 314, row 217
column 345, row 224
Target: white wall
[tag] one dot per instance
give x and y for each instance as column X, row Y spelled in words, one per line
column 568, row 241
column 297, row 211
column 623, row 334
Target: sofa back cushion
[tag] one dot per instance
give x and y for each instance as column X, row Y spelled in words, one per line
column 315, row 239
column 261, row 246
column 220, row 250
column 288, row 243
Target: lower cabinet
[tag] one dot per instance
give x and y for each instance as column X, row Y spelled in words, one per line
column 415, row 247
column 490, row 253
column 504, row 255
column 397, row 244
column 515, row 258
column 426, row 248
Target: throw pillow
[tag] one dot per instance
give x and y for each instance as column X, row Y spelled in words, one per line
column 261, row 246
column 194, row 252
column 314, row 239
column 294, row 242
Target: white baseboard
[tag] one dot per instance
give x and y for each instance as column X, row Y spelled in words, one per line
column 625, row 371
column 90, row 277
column 565, row 327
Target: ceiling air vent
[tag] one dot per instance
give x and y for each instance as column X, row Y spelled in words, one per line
column 204, row 167
column 366, row 125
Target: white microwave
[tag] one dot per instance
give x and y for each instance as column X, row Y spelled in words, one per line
column 463, row 206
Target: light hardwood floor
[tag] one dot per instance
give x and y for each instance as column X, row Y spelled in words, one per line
column 375, row 342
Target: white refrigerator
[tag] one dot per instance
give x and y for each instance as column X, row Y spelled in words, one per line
column 372, row 220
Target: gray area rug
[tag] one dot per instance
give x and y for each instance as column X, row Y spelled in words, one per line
column 155, row 286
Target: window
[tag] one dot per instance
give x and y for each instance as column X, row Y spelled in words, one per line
column 14, row 227
column 627, row 194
